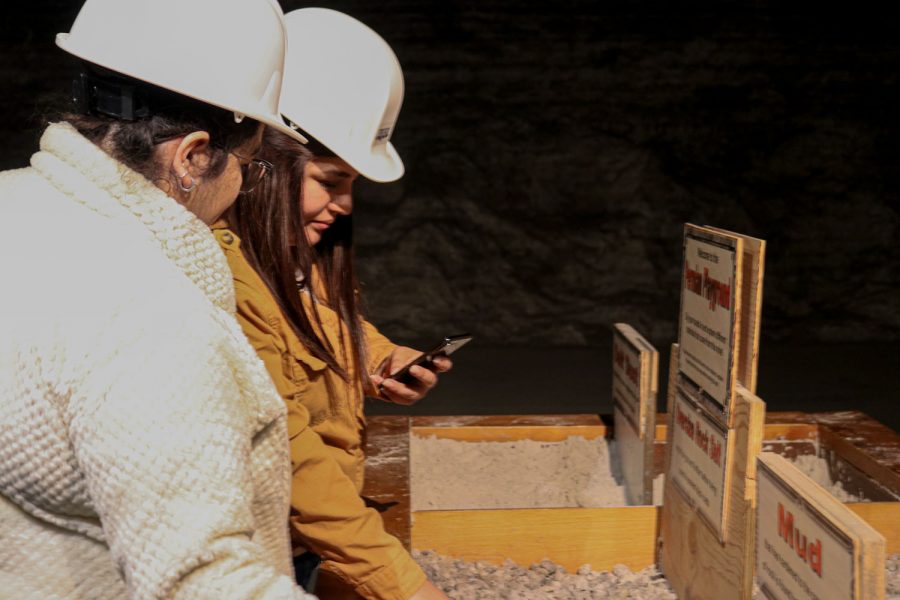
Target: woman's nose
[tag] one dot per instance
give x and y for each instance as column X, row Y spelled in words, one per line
column 342, row 204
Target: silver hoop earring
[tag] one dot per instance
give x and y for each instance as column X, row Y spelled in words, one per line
column 186, row 189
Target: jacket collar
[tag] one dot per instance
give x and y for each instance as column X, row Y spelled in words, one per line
column 85, row 173
column 268, row 308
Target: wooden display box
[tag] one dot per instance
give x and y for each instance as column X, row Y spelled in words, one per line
column 863, row 454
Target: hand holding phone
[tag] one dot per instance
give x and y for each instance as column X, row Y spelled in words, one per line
column 445, row 347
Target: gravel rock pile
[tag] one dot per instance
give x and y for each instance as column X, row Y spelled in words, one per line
column 462, row 580
column 892, row 577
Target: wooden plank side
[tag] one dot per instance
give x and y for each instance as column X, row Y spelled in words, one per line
column 751, row 307
column 866, row 444
column 670, row 401
column 547, row 433
column 571, row 537
column 771, row 431
column 661, row 429
column 696, row 564
column 507, row 420
column 386, row 485
column 884, row 517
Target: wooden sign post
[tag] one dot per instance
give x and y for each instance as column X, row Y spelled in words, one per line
column 715, row 423
column 635, row 373
column 808, row 544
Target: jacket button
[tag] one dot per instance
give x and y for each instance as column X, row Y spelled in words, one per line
column 227, row 238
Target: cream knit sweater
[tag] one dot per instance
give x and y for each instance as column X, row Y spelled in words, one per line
column 143, row 448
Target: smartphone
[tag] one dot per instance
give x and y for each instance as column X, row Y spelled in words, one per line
column 445, row 347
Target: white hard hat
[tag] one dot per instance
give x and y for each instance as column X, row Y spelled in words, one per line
column 228, row 54
column 343, row 86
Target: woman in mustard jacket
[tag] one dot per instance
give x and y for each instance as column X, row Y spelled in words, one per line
column 289, row 246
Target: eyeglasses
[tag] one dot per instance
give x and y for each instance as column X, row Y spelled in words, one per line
column 253, row 172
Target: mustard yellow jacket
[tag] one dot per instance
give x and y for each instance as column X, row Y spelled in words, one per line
column 325, row 430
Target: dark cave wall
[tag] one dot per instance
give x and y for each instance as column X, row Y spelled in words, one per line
column 554, row 150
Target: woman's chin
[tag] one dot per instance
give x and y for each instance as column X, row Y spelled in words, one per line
column 312, row 236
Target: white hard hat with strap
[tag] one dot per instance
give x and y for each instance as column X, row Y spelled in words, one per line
column 228, row 54
column 343, row 86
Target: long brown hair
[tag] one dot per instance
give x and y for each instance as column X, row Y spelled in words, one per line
column 270, row 224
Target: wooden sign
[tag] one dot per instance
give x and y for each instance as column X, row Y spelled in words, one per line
column 712, row 402
column 808, row 544
column 753, row 268
column 698, row 461
column 634, row 384
column 699, row 562
column 708, row 323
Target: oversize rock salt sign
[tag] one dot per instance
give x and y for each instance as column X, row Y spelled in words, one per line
column 698, row 461
column 808, row 544
column 634, row 384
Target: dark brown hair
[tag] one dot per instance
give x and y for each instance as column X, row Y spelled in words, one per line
column 270, row 224
column 152, row 115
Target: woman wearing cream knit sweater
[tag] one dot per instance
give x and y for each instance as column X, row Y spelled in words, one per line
column 142, row 445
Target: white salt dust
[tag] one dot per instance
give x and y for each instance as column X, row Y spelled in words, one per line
column 816, row 468
column 450, row 475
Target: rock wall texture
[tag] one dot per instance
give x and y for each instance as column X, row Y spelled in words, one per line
column 555, row 149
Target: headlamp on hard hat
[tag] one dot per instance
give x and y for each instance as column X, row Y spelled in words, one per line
column 94, row 94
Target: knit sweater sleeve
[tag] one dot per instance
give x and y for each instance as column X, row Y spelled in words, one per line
column 164, row 439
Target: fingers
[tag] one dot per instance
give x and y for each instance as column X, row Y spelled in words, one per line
column 424, row 377
column 442, row 363
column 409, row 393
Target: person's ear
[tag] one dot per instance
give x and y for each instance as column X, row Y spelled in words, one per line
column 192, row 156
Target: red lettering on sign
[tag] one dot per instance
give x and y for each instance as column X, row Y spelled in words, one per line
column 715, row 452
column 684, row 421
column 718, row 293
column 632, row 372
column 701, row 438
column 809, row 552
column 815, row 557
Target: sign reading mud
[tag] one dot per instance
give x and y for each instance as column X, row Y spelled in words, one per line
column 709, row 299
column 805, row 547
column 698, row 461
